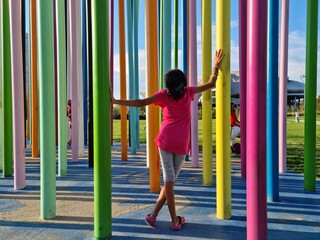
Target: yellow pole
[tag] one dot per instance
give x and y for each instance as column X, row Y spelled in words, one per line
column 223, row 167
column 123, row 109
column 207, row 95
column 152, row 78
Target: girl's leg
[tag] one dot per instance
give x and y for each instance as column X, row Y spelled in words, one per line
column 171, row 202
column 160, row 202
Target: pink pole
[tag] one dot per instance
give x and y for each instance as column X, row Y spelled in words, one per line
column 192, row 35
column 74, row 83
column 256, row 119
column 243, row 81
column 283, row 86
column 17, row 95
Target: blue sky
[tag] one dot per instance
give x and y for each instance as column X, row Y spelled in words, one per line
column 297, row 41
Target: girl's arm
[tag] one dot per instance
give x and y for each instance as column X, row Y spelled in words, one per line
column 135, row 102
column 212, row 80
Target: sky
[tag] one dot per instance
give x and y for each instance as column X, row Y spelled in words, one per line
column 296, row 52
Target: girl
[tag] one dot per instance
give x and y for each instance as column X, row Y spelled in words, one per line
column 174, row 135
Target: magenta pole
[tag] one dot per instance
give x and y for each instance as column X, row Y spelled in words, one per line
column 243, row 81
column 256, row 119
column 17, row 95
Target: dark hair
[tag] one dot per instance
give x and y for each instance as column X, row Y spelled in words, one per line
column 176, row 83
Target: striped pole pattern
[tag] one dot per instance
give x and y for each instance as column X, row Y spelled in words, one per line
column 256, row 119
column 101, row 112
column 272, row 103
column 152, row 88
column 283, row 82
column 34, row 72
column 46, row 100
column 7, row 134
column 123, row 89
column 223, row 92
column 243, row 83
column 310, row 97
column 207, row 95
column 17, row 95
column 62, row 84
column 192, row 73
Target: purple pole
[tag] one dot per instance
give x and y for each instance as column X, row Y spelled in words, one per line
column 243, row 81
column 256, row 119
column 193, row 81
column 17, row 95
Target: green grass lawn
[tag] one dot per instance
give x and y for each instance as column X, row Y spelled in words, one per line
column 295, row 142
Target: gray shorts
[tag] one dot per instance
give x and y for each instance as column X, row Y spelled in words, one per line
column 171, row 165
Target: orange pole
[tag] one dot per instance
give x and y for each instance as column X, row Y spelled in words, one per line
column 153, row 111
column 35, row 124
column 123, row 90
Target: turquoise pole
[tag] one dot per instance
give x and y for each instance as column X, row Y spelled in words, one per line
column 47, row 110
column 62, row 91
column 101, row 115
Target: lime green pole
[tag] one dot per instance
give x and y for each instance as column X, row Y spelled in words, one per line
column 47, row 110
column 207, row 95
column 101, row 116
column 7, row 131
column 310, row 97
column 62, row 84
column 223, row 89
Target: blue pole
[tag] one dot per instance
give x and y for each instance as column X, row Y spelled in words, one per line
column 272, row 103
column 84, row 70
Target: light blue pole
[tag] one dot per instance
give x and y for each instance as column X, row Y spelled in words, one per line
column 84, row 70
column 132, row 118
column 167, row 34
column 272, row 103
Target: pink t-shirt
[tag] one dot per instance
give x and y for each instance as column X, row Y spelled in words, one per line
column 174, row 134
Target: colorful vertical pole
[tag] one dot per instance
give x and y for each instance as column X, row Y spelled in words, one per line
column 123, row 89
column 135, row 17
column 46, row 100
column 111, row 62
column 272, row 103
column 152, row 76
column 17, row 95
column 207, row 95
column 74, row 78
column 84, row 70
column 160, row 24
column 7, row 134
column 166, row 38
column 24, row 56
column 1, row 26
column 192, row 74
column 101, row 112
column 62, row 91
column 176, row 29
column 223, row 92
column 243, row 83
column 34, row 72
column 132, row 117
column 256, row 119
column 310, row 97
column 283, row 82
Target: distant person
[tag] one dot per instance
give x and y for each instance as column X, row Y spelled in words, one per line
column 69, row 121
column 174, row 135
column 234, row 128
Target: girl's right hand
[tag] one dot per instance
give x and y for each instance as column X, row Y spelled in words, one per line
column 218, row 58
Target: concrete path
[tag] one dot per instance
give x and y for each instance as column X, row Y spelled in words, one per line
column 296, row 216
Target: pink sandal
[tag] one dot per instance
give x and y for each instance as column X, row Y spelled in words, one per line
column 178, row 227
column 151, row 221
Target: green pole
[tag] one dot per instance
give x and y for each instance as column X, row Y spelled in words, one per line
column 7, row 134
column 176, row 18
column 62, row 84
column 47, row 110
column 310, row 97
column 101, row 115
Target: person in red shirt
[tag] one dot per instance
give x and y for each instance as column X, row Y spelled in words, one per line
column 69, row 120
column 174, row 134
column 234, row 127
